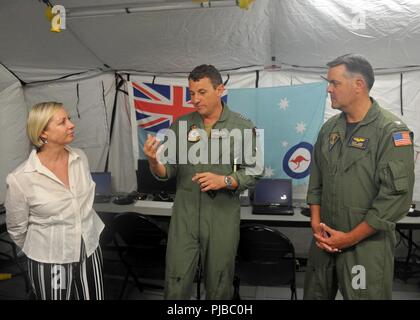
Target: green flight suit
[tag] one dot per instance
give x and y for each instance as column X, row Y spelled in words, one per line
column 364, row 177
column 201, row 223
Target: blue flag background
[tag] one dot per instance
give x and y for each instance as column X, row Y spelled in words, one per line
column 291, row 117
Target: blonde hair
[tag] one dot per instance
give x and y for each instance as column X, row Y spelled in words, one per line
column 38, row 120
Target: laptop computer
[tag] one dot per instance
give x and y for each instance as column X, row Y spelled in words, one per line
column 103, row 186
column 273, row 196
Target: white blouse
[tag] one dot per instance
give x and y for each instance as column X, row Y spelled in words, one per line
column 45, row 218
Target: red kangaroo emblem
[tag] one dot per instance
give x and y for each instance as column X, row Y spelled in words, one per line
column 298, row 160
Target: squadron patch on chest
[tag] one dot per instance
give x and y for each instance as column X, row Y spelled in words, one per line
column 333, row 139
column 194, row 134
column 358, row 142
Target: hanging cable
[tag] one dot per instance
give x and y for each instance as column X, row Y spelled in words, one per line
column 103, row 100
column 257, row 78
column 401, row 93
column 78, row 99
column 47, row 3
column 227, row 80
column 119, row 81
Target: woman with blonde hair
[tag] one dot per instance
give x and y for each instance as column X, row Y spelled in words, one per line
column 49, row 211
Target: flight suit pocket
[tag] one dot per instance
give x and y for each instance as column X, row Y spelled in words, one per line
column 396, row 177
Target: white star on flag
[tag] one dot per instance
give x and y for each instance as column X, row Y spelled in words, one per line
column 285, row 144
column 300, row 127
column 268, row 172
column 284, row 104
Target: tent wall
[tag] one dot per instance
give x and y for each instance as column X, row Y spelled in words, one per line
column 89, row 102
column 308, row 33
column 122, row 162
column 32, row 52
column 302, row 33
column 14, row 145
column 180, row 39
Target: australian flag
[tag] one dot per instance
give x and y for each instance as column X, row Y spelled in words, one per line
column 291, row 117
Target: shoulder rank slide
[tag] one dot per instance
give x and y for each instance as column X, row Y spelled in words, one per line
column 402, row 138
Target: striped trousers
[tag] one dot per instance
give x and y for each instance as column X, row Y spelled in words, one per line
column 81, row 280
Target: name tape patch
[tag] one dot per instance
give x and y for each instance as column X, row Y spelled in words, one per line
column 358, row 142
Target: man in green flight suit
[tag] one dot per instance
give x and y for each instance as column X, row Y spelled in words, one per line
column 361, row 184
column 206, row 212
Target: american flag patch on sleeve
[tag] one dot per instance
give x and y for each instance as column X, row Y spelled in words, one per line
column 402, row 138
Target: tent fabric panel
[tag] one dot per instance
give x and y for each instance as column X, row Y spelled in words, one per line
column 14, row 144
column 29, row 45
column 91, row 111
column 311, row 33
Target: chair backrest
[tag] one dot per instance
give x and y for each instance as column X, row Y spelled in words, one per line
column 141, row 246
column 136, row 229
column 265, row 256
column 264, row 244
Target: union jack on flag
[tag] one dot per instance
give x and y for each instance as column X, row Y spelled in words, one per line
column 158, row 106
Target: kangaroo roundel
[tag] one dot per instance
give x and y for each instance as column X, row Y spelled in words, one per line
column 297, row 160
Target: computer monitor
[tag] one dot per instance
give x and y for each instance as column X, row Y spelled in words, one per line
column 273, row 192
column 103, row 182
column 103, row 192
column 148, row 184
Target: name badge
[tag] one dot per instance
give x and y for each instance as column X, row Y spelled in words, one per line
column 358, row 142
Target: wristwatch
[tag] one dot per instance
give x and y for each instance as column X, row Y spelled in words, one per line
column 229, row 182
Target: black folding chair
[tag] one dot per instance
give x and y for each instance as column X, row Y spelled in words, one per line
column 11, row 258
column 141, row 245
column 266, row 257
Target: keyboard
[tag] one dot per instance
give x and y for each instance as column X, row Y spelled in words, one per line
column 153, row 204
column 273, row 210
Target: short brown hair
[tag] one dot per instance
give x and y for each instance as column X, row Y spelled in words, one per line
column 356, row 63
column 206, row 71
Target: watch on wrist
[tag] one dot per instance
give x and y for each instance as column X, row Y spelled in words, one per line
column 229, row 182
